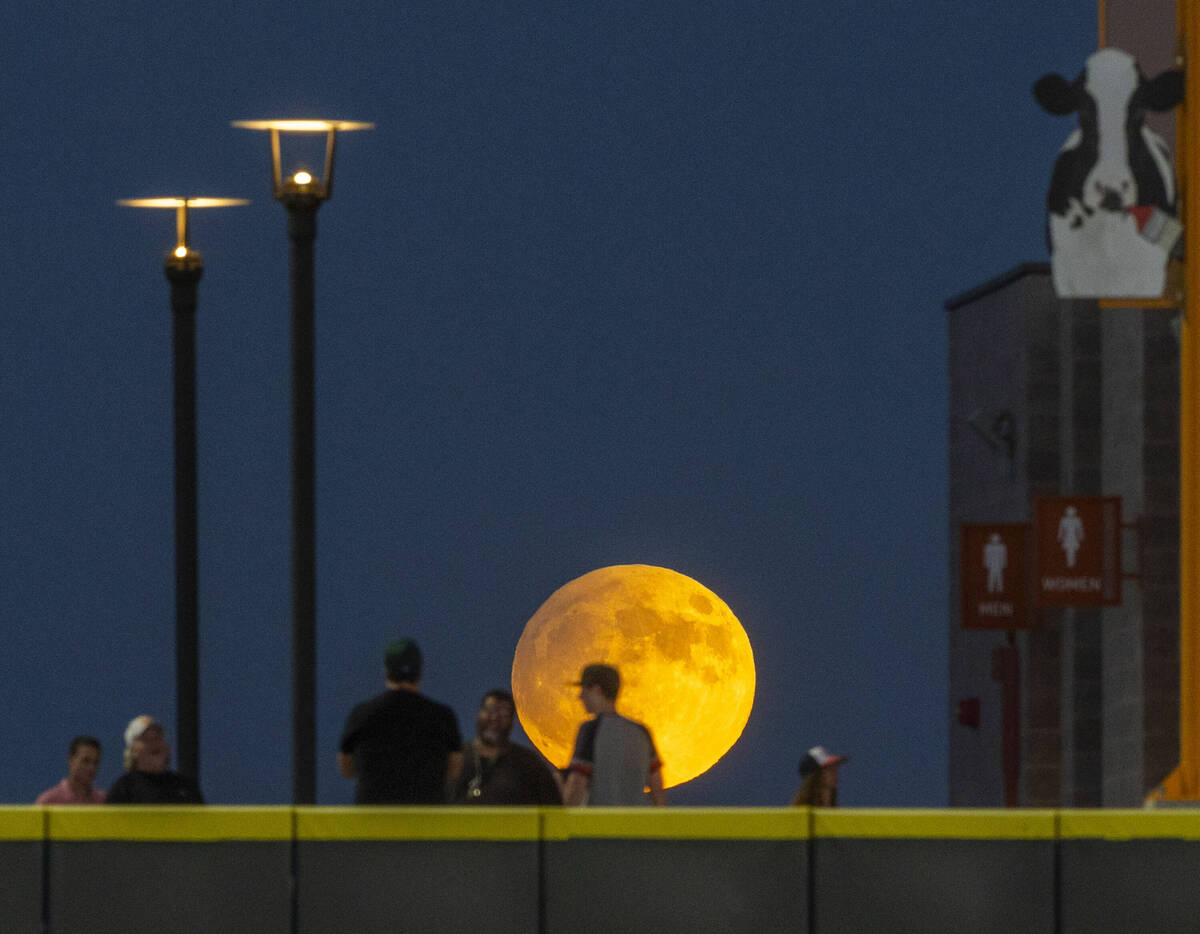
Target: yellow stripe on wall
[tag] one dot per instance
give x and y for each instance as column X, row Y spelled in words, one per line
column 169, row 823
column 964, row 824
column 22, row 823
column 1130, row 824
column 677, row 823
column 417, row 823
column 280, row 823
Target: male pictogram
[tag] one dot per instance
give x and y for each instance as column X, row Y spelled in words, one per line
column 995, row 559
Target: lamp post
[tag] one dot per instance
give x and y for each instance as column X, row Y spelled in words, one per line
column 184, row 267
column 301, row 193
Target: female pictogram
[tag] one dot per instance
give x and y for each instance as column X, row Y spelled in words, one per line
column 1070, row 534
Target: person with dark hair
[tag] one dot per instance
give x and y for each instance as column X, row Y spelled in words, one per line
column 496, row 771
column 403, row 747
column 614, row 761
column 819, row 779
column 83, row 762
column 147, row 778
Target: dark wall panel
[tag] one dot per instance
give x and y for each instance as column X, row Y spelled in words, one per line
column 21, row 886
column 932, row 886
column 103, row 886
column 669, row 886
column 368, row 886
column 1130, row 885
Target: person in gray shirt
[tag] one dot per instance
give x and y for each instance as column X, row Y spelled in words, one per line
column 614, row 761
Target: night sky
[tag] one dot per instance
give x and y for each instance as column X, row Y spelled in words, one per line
column 652, row 282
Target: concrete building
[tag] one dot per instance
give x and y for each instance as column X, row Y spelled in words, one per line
column 1052, row 397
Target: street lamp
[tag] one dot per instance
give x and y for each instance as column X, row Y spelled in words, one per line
column 184, row 267
column 301, row 194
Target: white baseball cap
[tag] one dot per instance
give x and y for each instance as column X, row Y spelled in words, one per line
column 818, row 758
column 138, row 726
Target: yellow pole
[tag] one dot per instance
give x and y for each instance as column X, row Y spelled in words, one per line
column 1184, row 783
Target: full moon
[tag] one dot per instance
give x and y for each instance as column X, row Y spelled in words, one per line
column 687, row 670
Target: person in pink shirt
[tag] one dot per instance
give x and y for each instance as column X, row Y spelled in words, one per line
column 83, row 762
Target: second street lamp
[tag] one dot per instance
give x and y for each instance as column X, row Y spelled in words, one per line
column 184, row 267
column 301, row 193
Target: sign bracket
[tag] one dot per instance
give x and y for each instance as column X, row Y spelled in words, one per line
column 1135, row 528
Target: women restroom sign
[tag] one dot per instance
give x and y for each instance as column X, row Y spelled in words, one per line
column 1078, row 545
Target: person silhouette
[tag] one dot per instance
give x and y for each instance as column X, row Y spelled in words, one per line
column 1070, row 534
column 995, row 559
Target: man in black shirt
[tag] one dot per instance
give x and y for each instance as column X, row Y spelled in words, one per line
column 147, row 780
column 496, row 771
column 401, row 746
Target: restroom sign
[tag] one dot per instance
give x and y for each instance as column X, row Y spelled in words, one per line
column 1078, row 545
column 995, row 566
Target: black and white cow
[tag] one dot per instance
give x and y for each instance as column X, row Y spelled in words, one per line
column 1110, row 172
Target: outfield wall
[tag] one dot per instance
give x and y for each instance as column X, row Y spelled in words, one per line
column 318, row 870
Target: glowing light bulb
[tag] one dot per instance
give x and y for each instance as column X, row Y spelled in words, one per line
column 302, row 178
column 181, row 251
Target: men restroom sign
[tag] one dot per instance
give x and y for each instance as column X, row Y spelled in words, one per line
column 1078, row 545
column 995, row 568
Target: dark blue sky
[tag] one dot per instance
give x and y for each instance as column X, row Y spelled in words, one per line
column 651, row 283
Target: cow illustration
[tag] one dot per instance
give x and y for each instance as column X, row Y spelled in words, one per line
column 1113, row 187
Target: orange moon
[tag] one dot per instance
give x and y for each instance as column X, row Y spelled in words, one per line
column 687, row 670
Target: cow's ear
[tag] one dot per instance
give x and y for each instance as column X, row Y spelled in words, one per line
column 1162, row 92
column 1056, row 94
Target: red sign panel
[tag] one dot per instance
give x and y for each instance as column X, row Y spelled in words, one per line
column 1078, row 541
column 996, row 562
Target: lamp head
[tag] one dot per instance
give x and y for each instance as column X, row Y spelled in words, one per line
column 302, row 183
column 182, row 252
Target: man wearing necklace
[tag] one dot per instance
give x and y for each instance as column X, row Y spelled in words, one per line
column 496, row 771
